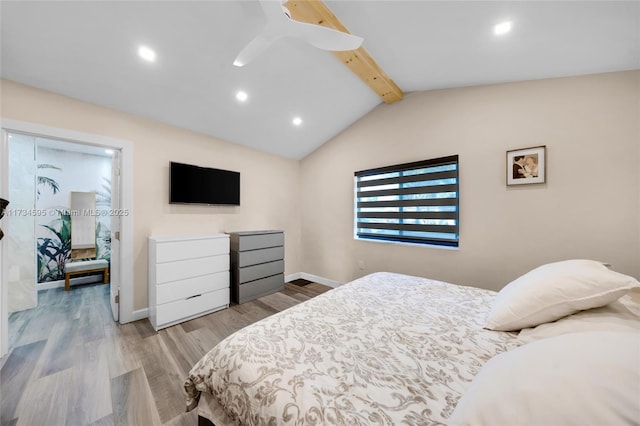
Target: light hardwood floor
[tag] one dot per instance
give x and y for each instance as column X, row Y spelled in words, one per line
column 71, row 364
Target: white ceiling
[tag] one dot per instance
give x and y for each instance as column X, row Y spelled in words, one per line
column 87, row 50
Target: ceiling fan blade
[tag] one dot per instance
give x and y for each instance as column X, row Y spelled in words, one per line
column 254, row 48
column 272, row 10
column 279, row 24
column 323, row 37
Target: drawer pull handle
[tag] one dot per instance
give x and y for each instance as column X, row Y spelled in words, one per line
column 191, row 297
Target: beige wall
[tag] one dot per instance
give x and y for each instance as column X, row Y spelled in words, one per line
column 269, row 188
column 589, row 207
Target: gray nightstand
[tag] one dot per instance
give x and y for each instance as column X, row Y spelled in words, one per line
column 257, row 264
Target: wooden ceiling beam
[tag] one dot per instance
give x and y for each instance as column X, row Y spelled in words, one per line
column 359, row 61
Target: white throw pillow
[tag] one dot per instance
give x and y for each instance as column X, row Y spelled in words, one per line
column 621, row 315
column 575, row 379
column 555, row 290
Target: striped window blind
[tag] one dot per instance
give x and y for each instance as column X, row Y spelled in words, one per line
column 413, row 202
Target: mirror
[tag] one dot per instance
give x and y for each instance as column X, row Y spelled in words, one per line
column 83, row 225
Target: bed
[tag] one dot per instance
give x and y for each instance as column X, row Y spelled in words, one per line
column 385, row 349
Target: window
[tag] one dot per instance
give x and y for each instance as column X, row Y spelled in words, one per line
column 413, row 202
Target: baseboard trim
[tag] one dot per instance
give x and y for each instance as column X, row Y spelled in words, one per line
column 50, row 284
column 292, row 277
column 314, row 278
column 60, row 283
column 140, row 314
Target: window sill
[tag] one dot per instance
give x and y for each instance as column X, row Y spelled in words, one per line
column 404, row 243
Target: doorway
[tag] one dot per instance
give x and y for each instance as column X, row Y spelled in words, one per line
column 116, row 230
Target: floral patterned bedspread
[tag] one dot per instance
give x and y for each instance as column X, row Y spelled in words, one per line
column 384, row 349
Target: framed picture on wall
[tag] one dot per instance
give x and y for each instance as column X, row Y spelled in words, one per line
column 527, row 165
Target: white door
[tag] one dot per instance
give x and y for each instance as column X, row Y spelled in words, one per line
column 20, row 229
column 114, row 282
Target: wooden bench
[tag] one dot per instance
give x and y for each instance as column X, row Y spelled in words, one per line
column 83, row 267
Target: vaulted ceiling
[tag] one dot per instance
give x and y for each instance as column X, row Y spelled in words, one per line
column 88, row 50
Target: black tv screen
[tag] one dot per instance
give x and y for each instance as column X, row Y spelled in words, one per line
column 190, row 184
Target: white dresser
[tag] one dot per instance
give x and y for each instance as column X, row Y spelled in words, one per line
column 188, row 277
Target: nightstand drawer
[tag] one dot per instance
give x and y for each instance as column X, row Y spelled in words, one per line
column 182, row 250
column 255, row 257
column 181, row 310
column 174, row 271
column 256, row 241
column 258, row 288
column 252, row 273
column 177, row 290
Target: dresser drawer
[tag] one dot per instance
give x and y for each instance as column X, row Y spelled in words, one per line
column 174, row 271
column 258, row 288
column 181, row 250
column 255, row 257
column 182, row 310
column 256, row 241
column 252, row 273
column 177, row 290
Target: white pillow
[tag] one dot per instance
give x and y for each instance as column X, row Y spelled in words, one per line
column 575, row 379
column 555, row 290
column 621, row 315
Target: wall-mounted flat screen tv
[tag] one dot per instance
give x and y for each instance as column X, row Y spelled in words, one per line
column 190, row 184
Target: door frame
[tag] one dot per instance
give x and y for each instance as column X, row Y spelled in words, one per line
column 126, row 204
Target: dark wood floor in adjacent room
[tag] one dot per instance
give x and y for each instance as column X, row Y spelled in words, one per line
column 71, row 364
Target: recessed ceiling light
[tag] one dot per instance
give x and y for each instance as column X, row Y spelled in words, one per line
column 242, row 96
column 502, row 28
column 296, row 121
column 147, row 53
